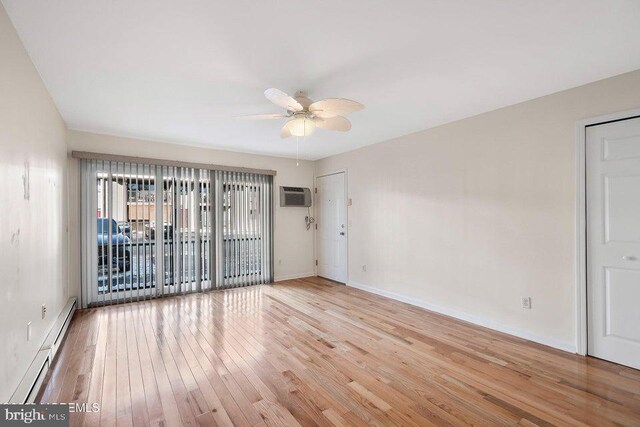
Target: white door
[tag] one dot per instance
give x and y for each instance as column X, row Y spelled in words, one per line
column 613, row 241
column 332, row 229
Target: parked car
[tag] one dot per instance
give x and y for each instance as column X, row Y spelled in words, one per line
column 125, row 227
column 150, row 231
column 120, row 253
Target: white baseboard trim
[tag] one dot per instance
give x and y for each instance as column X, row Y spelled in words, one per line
column 30, row 384
column 293, row 276
column 471, row 318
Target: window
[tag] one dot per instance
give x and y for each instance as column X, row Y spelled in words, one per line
column 213, row 229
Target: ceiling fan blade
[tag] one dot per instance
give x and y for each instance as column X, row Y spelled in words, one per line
column 338, row 123
column 333, row 107
column 262, row 117
column 285, row 132
column 283, row 100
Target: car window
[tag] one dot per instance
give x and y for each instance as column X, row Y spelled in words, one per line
column 103, row 226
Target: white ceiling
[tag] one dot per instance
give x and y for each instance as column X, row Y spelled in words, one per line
column 178, row 71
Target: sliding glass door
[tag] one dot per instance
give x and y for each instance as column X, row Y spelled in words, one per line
column 244, row 227
column 151, row 230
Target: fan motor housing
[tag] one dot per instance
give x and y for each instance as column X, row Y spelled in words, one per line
column 303, row 99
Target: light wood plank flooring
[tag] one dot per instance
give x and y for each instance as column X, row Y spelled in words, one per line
column 310, row 352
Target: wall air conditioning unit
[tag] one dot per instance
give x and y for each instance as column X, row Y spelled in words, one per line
column 295, row 196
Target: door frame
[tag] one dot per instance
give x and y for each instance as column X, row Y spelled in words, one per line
column 346, row 213
column 582, row 320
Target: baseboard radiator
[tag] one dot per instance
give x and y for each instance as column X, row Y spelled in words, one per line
column 29, row 387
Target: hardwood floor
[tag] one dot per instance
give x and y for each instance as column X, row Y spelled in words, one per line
column 311, row 352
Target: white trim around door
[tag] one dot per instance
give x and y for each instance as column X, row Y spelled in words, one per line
column 581, row 222
column 346, row 210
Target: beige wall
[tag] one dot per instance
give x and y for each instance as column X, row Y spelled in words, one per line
column 468, row 217
column 293, row 242
column 33, row 188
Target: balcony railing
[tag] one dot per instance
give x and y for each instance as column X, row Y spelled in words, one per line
column 133, row 265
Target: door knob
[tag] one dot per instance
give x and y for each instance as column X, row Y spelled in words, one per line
column 628, row 258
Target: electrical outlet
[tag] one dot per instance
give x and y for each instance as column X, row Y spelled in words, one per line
column 29, row 331
column 44, row 310
column 364, row 267
column 526, row 302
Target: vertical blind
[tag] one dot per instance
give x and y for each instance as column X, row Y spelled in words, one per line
column 152, row 230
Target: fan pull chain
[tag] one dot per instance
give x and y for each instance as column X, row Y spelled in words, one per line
column 304, row 140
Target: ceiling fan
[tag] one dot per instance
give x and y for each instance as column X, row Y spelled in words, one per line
column 303, row 115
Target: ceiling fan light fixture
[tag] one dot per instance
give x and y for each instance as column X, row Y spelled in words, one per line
column 301, row 126
column 304, row 116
